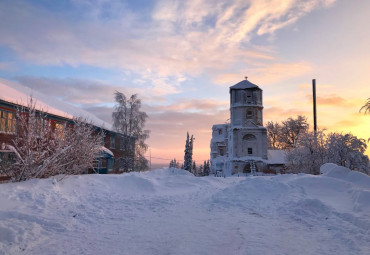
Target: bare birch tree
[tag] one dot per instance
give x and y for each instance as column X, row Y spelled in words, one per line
column 129, row 120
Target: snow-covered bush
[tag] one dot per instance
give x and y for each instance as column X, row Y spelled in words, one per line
column 84, row 145
column 42, row 150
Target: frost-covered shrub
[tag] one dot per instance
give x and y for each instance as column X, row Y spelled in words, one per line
column 42, row 150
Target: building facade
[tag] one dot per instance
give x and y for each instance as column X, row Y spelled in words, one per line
column 241, row 145
column 112, row 151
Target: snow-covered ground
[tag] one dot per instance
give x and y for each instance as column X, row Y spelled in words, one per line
column 169, row 211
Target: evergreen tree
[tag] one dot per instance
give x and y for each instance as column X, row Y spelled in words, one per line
column 174, row 164
column 194, row 168
column 186, row 167
column 188, row 157
column 207, row 168
column 201, row 170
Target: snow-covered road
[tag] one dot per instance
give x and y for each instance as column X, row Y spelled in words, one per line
column 169, row 211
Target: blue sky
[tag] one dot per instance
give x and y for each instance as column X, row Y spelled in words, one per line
column 181, row 57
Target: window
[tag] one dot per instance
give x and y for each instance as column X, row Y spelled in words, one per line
column 112, row 141
column 249, row 99
column 121, row 144
column 41, row 124
column 59, row 130
column 249, row 114
column 220, row 131
column 222, row 152
column 103, row 140
column 7, row 121
column 250, row 151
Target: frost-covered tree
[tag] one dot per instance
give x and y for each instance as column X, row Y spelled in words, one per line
column 206, row 168
column 312, row 150
column 201, row 170
column 174, row 164
column 366, row 106
column 284, row 135
column 194, row 168
column 308, row 154
column 273, row 135
column 129, row 120
column 42, row 150
column 291, row 129
column 188, row 157
column 347, row 150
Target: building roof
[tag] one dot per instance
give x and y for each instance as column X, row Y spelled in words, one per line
column 276, row 157
column 245, row 84
column 19, row 95
column 220, row 125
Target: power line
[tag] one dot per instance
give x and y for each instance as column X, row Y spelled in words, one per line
column 166, row 159
column 171, row 159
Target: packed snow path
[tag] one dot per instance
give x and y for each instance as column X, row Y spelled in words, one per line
column 169, row 211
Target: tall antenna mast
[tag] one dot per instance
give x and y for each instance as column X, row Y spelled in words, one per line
column 314, row 105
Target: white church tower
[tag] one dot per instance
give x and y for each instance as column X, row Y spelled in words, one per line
column 245, row 137
column 248, row 137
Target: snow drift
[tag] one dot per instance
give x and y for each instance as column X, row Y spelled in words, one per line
column 169, row 211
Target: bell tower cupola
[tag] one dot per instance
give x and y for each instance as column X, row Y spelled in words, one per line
column 246, row 104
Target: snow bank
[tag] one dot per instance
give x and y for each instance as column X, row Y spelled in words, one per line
column 327, row 167
column 344, row 173
column 169, row 211
column 169, row 172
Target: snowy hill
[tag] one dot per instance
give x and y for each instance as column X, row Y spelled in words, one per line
column 169, row 211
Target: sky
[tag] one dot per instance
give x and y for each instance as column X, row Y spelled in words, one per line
column 181, row 57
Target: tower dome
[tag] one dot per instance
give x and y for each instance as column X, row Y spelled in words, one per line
column 246, row 104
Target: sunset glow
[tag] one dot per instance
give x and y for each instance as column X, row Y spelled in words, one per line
column 181, row 57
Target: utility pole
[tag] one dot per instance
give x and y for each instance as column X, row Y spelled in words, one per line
column 314, row 105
